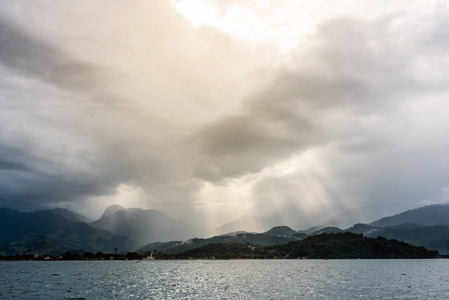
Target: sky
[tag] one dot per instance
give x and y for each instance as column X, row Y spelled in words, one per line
column 212, row 110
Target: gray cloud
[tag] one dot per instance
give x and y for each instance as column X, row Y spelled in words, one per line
column 45, row 61
column 350, row 94
column 30, row 177
column 295, row 112
column 269, row 130
column 71, row 130
column 366, row 95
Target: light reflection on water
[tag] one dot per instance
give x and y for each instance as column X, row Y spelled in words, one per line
column 238, row 279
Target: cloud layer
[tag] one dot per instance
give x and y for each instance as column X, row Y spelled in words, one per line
column 143, row 109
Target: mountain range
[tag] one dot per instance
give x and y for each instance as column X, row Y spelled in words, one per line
column 58, row 230
column 427, row 216
column 127, row 229
column 53, row 232
column 417, row 227
column 343, row 219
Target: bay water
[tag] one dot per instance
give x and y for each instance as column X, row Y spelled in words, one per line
column 226, row 279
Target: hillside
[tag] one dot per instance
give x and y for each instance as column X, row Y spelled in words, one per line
column 47, row 232
column 69, row 215
column 15, row 225
column 428, row 216
column 431, row 237
column 327, row 230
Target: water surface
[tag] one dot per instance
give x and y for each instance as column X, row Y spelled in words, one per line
column 226, row 279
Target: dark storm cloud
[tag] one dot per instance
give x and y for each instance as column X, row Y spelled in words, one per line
column 28, row 177
column 11, row 160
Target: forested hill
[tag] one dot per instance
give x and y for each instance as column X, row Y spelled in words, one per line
column 345, row 245
column 352, row 245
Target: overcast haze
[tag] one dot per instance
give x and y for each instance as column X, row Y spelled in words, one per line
column 213, row 110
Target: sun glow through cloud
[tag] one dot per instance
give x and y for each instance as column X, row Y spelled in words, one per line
column 286, row 23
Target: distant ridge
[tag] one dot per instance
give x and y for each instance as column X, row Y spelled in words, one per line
column 143, row 225
column 428, row 215
column 245, row 223
column 70, row 215
column 432, row 237
column 343, row 220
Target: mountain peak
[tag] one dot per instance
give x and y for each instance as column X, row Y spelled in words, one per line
column 110, row 210
column 143, row 225
column 280, row 231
